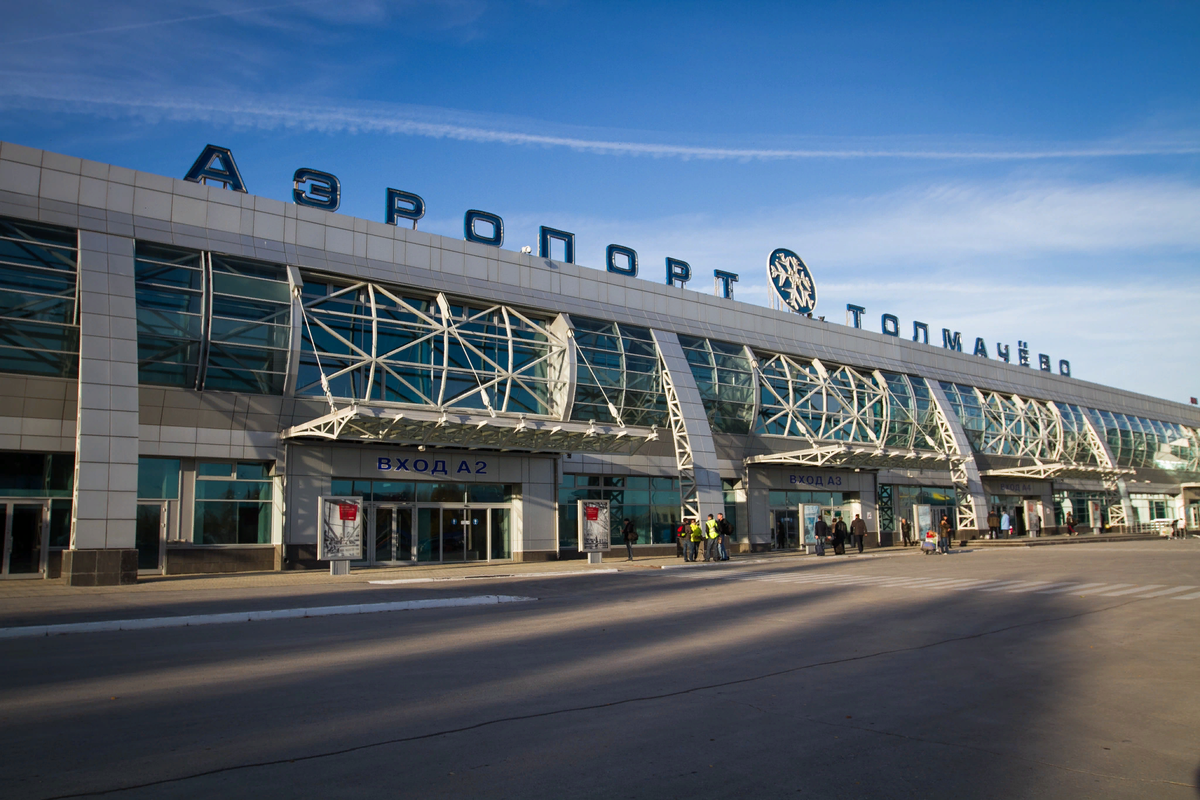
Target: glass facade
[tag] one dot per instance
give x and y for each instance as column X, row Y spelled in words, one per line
column 39, row 305
column 808, row 399
column 896, row 502
column 618, row 376
column 1140, row 442
column 1007, row 425
column 725, row 378
column 209, row 321
column 422, row 491
column 651, row 503
column 158, row 478
column 366, row 342
column 233, row 503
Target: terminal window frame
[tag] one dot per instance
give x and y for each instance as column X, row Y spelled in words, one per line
column 232, row 503
column 39, row 299
column 211, row 321
column 651, row 502
column 617, row 364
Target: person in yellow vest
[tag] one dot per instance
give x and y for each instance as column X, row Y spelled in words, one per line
column 697, row 536
column 711, row 534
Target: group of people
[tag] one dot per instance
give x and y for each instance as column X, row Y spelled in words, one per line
column 944, row 534
column 1000, row 522
column 837, row 535
column 713, row 539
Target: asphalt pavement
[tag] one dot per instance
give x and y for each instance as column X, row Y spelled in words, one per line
column 1001, row 673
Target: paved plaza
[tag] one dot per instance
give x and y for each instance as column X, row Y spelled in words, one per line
column 1006, row 672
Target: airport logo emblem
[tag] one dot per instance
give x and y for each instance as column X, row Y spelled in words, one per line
column 792, row 281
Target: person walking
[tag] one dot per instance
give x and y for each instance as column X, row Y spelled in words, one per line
column 839, row 537
column 944, row 535
column 630, row 536
column 1035, row 524
column 821, row 534
column 695, row 536
column 681, row 534
column 906, row 531
column 1005, row 525
column 858, row 529
column 1070, row 524
column 711, row 534
column 993, row 524
column 726, row 531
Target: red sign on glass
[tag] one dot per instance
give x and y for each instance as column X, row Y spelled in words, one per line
column 347, row 512
column 592, row 513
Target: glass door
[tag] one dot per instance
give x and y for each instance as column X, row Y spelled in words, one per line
column 383, row 525
column 392, row 529
column 149, row 529
column 455, row 522
column 25, row 532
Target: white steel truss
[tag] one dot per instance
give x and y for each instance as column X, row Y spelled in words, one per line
column 689, row 495
column 834, row 403
column 471, row 431
column 372, row 345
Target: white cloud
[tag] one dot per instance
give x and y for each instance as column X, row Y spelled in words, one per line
column 84, row 95
column 1086, row 272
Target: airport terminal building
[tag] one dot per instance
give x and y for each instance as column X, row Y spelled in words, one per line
column 188, row 368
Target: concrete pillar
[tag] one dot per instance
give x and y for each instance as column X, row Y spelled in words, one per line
column 103, row 548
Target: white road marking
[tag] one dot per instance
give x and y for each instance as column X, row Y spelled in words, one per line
column 1110, row 587
column 397, row 581
column 1011, row 584
column 1036, row 587
column 1165, row 592
column 1192, row 596
column 1073, row 587
column 255, row 616
column 1134, row 590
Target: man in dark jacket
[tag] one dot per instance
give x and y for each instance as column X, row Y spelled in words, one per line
column 839, row 537
column 858, row 529
column 821, row 534
column 726, row 533
column 630, row 536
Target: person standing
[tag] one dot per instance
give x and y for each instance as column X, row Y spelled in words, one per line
column 944, row 535
column 630, row 536
column 1006, row 525
column 906, row 531
column 726, row 531
column 711, row 534
column 696, row 536
column 858, row 529
column 993, row 524
column 821, row 533
column 1035, row 524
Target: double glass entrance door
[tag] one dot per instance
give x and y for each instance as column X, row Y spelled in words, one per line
column 25, row 531
column 403, row 534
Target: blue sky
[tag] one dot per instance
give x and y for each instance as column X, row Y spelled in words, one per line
column 1013, row 171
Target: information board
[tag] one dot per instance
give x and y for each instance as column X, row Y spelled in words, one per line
column 810, row 513
column 923, row 520
column 340, row 536
column 594, row 534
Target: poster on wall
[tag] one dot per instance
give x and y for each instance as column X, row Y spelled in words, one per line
column 1095, row 516
column 594, row 533
column 340, row 536
column 810, row 513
